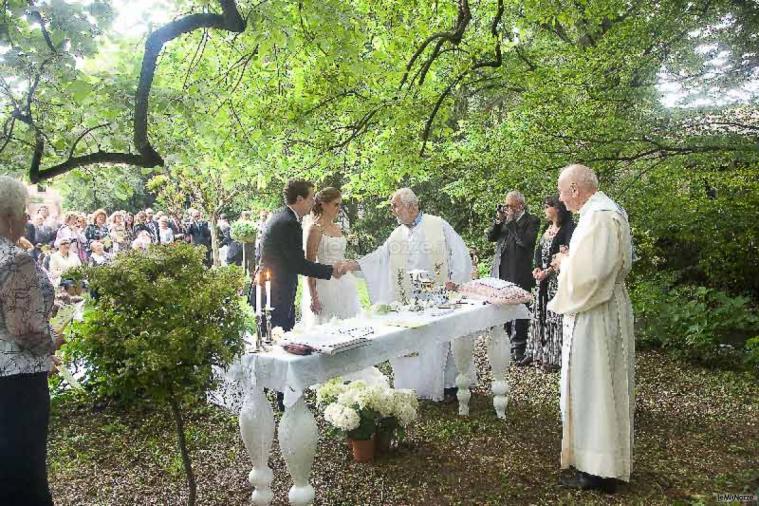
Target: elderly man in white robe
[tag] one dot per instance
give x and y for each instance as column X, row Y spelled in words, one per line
column 421, row 242
column 598, row 355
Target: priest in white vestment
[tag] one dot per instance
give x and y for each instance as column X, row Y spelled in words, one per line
column 421, row 242
column 598, row 354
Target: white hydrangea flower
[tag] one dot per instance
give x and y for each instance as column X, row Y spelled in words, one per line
column 329, row 391
column 342, row 417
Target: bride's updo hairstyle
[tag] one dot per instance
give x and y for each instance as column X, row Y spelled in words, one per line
column 325, row 196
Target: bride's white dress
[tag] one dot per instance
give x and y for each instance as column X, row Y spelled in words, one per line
column 339, row 299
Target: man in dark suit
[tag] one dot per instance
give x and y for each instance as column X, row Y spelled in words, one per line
column 515, row 231
column 200, row 234
column 282, row 256
column 152, row 225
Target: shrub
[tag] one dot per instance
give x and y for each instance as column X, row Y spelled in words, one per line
column 702, row 324
column 157, row 325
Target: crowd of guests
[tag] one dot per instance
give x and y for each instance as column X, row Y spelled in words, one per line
column 60, row 244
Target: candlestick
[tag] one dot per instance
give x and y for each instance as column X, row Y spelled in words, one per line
column 268, row 289
column 258, row 299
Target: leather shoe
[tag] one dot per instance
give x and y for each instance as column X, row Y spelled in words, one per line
column 526, row 360
column 449, row 395
column 585, row 481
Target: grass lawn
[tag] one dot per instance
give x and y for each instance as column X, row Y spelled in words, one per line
column 696, row 435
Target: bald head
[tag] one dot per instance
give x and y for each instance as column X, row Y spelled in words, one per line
column 577, row 183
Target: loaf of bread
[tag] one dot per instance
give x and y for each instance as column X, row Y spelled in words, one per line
column 495, row 291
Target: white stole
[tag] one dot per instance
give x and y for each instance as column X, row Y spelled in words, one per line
column 398, row 247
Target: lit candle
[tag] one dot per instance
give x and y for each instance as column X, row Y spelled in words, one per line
column 268, row 290
column 258, row 299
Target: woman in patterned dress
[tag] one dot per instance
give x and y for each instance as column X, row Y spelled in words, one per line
column 544, row 341
column 26, row 348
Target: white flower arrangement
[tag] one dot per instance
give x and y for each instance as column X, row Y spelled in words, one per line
column 358, row 407
column 277, row 334
column 342, row 417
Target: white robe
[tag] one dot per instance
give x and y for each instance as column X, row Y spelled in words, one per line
column 598, row 353
column 433, row 369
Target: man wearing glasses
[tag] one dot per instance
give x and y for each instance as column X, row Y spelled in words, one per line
column 514, row 231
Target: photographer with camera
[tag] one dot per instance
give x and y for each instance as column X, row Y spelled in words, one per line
column 514, row 231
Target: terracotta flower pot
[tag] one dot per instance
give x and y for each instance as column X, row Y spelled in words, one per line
column 363, row 449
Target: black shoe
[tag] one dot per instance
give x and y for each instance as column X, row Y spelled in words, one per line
column 281, row 402
column 526, row 360
column 585, row 481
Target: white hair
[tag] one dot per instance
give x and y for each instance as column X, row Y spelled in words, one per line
column 407, row 197
column 13, row 197
column 582, row 176
column 516, row 195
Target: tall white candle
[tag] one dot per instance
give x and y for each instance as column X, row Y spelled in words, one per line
column 258, row 299
column 268, row 290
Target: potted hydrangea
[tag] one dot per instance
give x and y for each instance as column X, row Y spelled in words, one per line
column 360, row 411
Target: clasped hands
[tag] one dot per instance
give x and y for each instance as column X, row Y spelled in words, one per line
column 342, row 267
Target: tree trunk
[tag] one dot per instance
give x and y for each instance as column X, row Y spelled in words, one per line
column 214, row 240
column 177, row 414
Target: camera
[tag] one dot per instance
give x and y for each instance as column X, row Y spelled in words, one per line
column 499, row 208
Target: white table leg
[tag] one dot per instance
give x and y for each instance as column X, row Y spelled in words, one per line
column 298, row 436
column 499, row 355
column 257, row 430
column 462, row 349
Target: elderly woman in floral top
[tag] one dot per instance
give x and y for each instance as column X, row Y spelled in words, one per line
column 26, row 348
column 98, row 230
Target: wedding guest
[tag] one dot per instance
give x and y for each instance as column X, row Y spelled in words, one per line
column 152, row 225
column 98, row 230
column 139, row 224
column 29, row 232
column 81, row 227
column 98, row 256
column 69, row 232
column 142, row 241
column 514, row 231
column 26, row 348
column 61, row 261
column 43, row 234
column 118, row 232
column 544, row 341
column 50, row 221
column 129, row 223
column 165, row 233
column 598, row 363
column 200, row 234
column 475, row 263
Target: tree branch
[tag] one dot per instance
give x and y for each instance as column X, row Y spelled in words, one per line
column 34, row 13
column 147, row 156
column 495, row 63
column 454, row 37
column 73, row 146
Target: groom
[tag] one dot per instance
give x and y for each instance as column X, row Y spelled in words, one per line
column 282, row 256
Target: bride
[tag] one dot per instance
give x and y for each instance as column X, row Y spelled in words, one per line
column 325, row 299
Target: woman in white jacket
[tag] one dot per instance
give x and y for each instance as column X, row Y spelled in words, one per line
column 61, row 261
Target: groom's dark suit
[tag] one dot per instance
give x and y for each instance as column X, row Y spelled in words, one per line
column 282, row 256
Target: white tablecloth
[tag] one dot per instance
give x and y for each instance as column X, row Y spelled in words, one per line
column 293, row 374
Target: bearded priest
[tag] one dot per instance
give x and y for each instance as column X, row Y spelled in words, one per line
column 421, row 242
column 598, row 354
